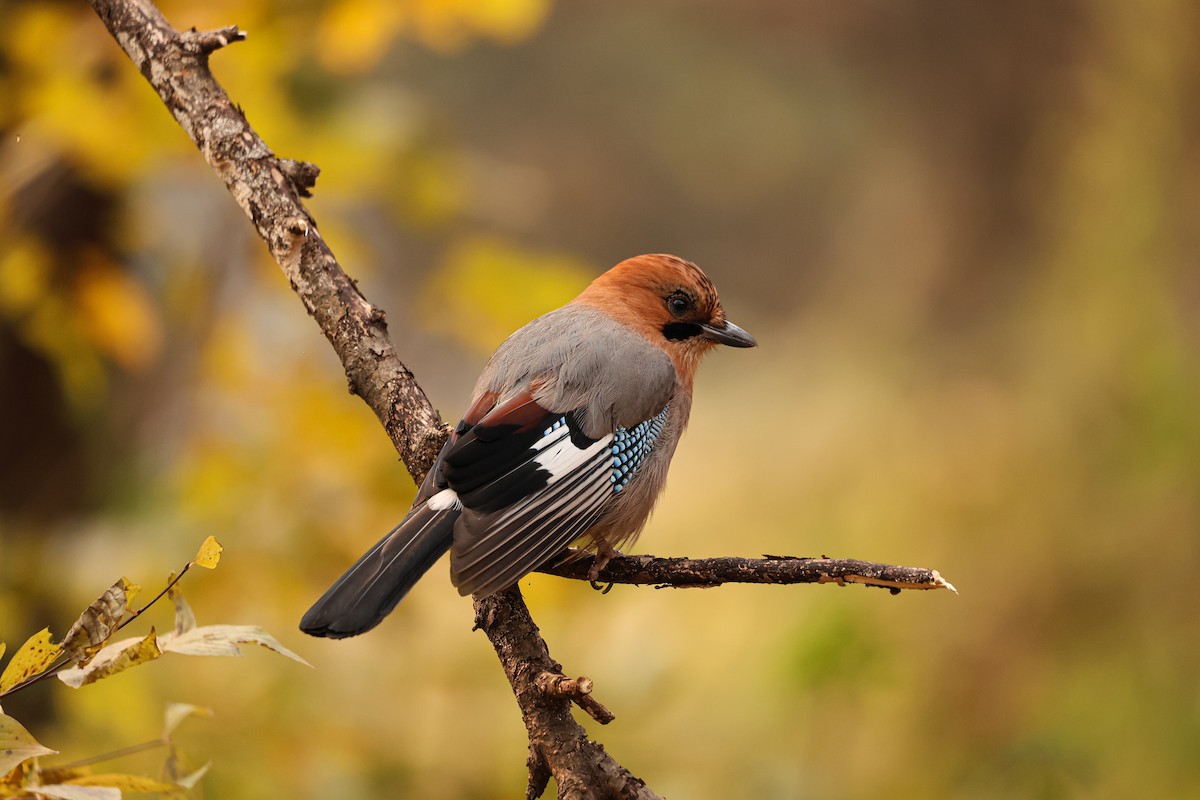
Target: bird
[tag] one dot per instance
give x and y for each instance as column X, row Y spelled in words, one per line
column 567, row 439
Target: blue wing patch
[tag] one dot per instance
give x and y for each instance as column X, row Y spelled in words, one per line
column 630, row 447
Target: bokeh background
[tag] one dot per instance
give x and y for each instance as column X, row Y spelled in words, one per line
column 965, row 234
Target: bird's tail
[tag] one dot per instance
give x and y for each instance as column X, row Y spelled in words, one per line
column 376, row 583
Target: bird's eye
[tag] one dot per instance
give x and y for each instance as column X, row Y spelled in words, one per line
column 679, row 304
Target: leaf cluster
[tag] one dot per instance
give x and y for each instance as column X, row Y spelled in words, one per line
column 88, row 653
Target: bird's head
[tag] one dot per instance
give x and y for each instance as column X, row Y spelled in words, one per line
column 669, row 301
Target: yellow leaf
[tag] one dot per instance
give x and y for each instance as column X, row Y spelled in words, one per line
column 33, row 658
column 209, row 555
column 117, row 314
column 24, row 274
column 126, row 783
column 355, row 34
column 113, row 658
column 59, row 774
column 17, row 745
column 98, row 622
column 448, row 25
column 11, row 785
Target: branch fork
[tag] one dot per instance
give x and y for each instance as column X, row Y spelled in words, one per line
column 577, row 690
column 203, row 43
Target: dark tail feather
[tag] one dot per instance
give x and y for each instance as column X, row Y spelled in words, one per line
column 376, row 583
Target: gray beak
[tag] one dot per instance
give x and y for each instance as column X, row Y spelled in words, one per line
column 729, row 334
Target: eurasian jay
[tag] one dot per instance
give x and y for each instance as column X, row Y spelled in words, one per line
column 568, row 436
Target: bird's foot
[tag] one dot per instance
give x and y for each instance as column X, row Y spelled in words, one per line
column 603, row 556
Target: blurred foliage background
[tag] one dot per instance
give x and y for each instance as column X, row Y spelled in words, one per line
column 965, row 235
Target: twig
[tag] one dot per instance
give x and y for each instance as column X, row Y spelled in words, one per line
column 706, row 572
column 207, row 42
column 133, row 749
column 170, row 585
column 578, row 691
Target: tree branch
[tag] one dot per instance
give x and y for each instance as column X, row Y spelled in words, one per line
column 558, row 745
column 269, row 189
column 682, row 573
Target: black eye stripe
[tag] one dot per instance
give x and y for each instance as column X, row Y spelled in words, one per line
column 678, row 331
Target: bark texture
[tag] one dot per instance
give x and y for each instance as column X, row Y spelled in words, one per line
column 681, row 573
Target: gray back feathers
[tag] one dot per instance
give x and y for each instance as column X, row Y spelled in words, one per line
column 580, row 358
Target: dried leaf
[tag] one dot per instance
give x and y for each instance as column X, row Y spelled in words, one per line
column 60, row 774
column 66, row 791
column 200, row 642
column 185, row 620
column 126, row 783
column 33, row 658
column 223, row 640
column 98, row 622
column 209, row 555
column 17, row 745
column 190, row 780
column 113, row 658
column 178, row 712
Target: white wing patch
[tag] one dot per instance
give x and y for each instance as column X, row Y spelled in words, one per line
column 560, row 457
column 444, row 501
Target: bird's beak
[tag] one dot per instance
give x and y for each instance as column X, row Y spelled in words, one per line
column 728, row 333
